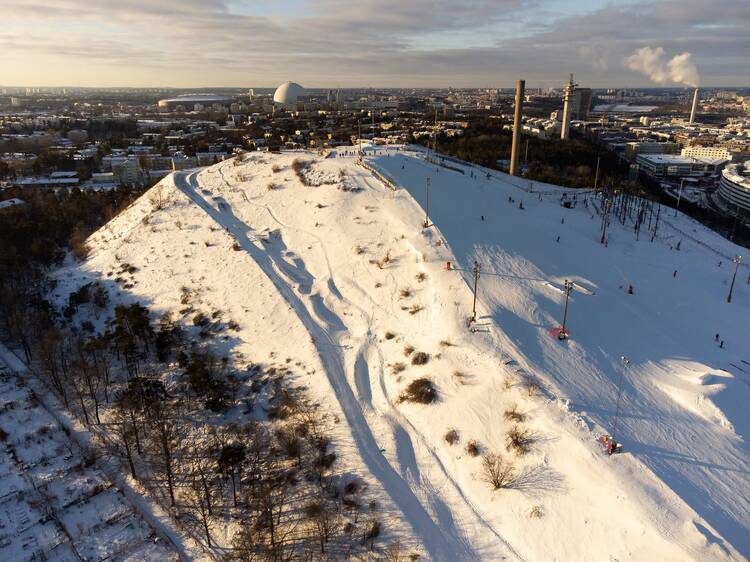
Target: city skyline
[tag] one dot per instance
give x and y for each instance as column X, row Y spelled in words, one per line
column 332, row 43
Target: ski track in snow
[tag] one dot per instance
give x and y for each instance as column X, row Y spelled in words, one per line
column 443, row 539
column 683, row 477
column 668, row 450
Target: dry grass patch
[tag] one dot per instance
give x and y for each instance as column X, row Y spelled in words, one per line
column 397, row 368
column 415, row 308
column 420, row 358
column 473, row 448
column 514, row 415
column 451, row 437
column 519, row 439
column 421, row 390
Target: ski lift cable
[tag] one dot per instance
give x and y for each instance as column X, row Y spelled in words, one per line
column 582, row 289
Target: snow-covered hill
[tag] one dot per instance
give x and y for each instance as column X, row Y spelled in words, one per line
column 326, row 264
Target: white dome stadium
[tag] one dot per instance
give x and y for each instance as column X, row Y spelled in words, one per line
column 287, row 93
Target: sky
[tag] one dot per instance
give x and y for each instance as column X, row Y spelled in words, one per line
column 374, row 43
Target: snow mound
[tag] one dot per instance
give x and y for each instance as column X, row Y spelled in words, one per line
column 328, row 264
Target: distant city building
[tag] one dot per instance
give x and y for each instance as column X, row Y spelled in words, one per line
column 662, row 166
column 734, row 187
column 633, row 149
column 192, row 102
column 580, row 103
column 714, row 152
column 287, row 94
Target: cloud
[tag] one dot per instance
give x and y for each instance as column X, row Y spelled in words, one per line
column 652, row 63
column 367, row 42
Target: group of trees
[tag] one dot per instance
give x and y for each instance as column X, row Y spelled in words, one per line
column 218, row 446
column 33, row 238
column 161, row 405
column 570, row 163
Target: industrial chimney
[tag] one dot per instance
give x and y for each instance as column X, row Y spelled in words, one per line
column 694, row 110
column 520, row 85
column 568, row 90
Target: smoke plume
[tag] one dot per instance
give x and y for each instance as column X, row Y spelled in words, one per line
column 653, row 63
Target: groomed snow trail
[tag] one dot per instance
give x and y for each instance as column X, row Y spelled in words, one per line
column 678, row 379
column 442, row 538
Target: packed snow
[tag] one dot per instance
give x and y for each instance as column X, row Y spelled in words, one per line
column 329, row 263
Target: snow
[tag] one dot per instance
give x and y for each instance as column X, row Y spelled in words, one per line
column 10, row 203
column 303, row 271
column 52, row 505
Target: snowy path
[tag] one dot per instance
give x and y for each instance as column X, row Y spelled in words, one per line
column 443, row 539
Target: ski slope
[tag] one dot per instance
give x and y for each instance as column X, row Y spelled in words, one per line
column 340, row 275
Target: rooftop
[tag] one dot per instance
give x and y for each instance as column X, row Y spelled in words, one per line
column 677, row 159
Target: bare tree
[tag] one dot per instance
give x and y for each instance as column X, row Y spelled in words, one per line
column 497, row 472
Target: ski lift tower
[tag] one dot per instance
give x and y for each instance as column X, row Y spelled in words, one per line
column 568, row 91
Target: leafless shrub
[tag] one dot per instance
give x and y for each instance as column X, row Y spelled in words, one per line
column 272, row 186
column 389, row 335
column 408, row 350
column 421, row 276
column 514, row 415
column 300, row 167
column 420, row 358
column 532, row 386
column 536, row 512
column 234, row 326
column 359, row 250
column 497, row 472
column 397, row 368
column 421, row 390
column 473, row 448
column 276, row 168
column 157, row 198
column 519, row 440
column 405, row 293
column 236, row 247
column 78, row 244
column 446, row 343
column 451, row 437
column 508, row 382
column 415, row 308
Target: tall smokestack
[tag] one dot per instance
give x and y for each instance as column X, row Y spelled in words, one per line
column 520, row 85
column 568, row 90
column 694, row 110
